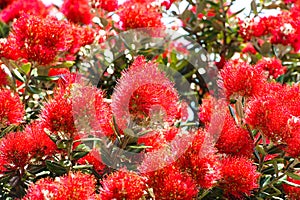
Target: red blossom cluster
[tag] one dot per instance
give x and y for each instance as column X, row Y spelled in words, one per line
column 71, row 186
column 41, row 40
column 20, row 149
column 16, row 8
column 139, row 14
column 280, row 29
column 11, row 108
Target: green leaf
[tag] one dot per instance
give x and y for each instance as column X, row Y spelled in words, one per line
column 4, row 30
column 82, row 147
column 33, row 90
column 62, row 144
column 78, row 155
column 55, row 168
column 25, row 68
column 18, row 75
column 47, row 78
column 82, row 166
column 293, row 176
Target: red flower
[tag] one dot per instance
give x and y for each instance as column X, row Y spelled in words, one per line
column 293, row 142
column 72, row 186
column 41, row 144
column 139, row 15
column 11, row 108
column 18, row 7
column 271, row 112
column 91, row 113
column 93, row 158
column 273, row 66
column 239, row 176
column 108, row 5
column 201, row 161
column 57, row 116
column 123, row 184
column 171, row 183
column 37, row 39
column 77, row 11
column 292, row 192
column 234, row 140
column 81, row 36
column 144, row 94
column 15, row 149
column 240, row 79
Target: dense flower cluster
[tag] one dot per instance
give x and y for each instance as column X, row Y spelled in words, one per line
column 41, row 40
column 123, row 184
column 139, row 14
column 11, row 108
column 18, row 7
column 72, row 186
column 144, row 98
column 239, row 176
column 280, row 29
column 77, row 11
column 273, row 66
column 37, row 39
column 240, row 79
column 19, row 148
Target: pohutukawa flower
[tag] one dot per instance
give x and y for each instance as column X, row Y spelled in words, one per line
column 75, row 185
column 38, row 39
column 11, row 108
column 91, row 113
column 234, row 140
column 135, row 14
column 240, row 79
column 18, row 7
column 145, row 96
column 201, row 161
column 171, row 183
column 57, row 116
column 272, row 66
column 108, row 5
column 77, row 11
column 239, row 176
column 272, row 112
column 15, row 149
column 123, row 184
column 22, row 148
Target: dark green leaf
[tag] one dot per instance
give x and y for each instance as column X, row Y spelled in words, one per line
column 33, row 90
column 55, row 168
column 17, row 75
column 78, row 155
column 293, row 176
column 47, row 78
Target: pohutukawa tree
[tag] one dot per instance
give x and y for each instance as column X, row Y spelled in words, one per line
column 98, row 100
